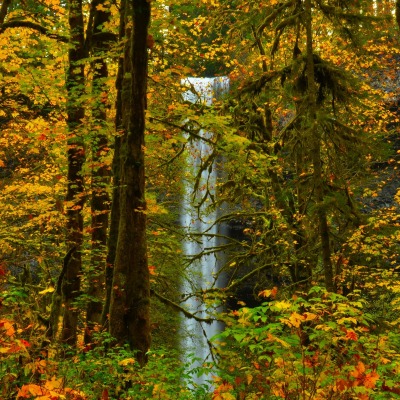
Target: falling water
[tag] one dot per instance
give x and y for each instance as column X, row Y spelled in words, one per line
column 202, row 272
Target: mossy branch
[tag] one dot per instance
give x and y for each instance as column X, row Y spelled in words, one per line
column 179, row 308
column 34, row 26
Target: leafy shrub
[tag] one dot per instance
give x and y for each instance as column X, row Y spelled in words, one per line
column 315, row 346
column 100, row 372
column 116, row 372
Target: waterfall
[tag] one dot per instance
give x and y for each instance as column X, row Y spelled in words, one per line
column 202, row 272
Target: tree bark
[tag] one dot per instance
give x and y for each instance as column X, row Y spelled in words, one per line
column 316, row 153
column 130, row 299
column 76, row 157
column 100, row 173
column 122, row 82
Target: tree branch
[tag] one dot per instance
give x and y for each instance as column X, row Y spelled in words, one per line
column 247, row 276
column 177, row 307
column 34, row 26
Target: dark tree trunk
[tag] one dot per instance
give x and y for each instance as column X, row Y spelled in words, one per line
column 130, row 299
column 100, row 173
column 316, row 154
column 76, row 157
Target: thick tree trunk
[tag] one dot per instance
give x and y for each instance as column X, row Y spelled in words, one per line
column 130, row 300
column 100, row 174
column 76, row 157
column 316, row 154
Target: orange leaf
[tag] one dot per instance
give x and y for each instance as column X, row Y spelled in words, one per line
column 8, row 327
column 359, row 371
column 269, row 293
column 152, row 270
column 27, row 391
column 351, row 335
column 371, row 379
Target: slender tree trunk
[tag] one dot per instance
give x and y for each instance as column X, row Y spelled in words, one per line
column 113, row 231
column 130, row 299
column 100, row 174
column 316, row 153
column 398, row 13
column 75, row 189
column 121, row 82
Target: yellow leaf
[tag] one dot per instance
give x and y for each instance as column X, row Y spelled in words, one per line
column 48, row 290
column 282, row 305
column 126, row 361
column 341, row 321
column 296, row 319
column 310, row 316
column 249, row 379
column 54, row 383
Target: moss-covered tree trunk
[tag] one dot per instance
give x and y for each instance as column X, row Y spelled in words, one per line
column 315, row 138
column 130, row 298
column 76, row 157
column 100, row 171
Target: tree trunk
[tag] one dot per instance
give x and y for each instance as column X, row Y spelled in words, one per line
column 75, row 189
column 316, row 153
column 121, row 82
column 100, row 173
column 130, row 299
column 4, row 9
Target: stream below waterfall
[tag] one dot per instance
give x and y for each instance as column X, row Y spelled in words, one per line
column 201, row 273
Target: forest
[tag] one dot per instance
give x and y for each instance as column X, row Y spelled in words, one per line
column 200, row 199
